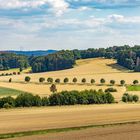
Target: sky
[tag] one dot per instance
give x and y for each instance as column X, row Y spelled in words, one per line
column 68, row 24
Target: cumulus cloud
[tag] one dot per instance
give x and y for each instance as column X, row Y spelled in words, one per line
column 57, row 6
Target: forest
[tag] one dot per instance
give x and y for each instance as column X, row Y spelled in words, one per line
column 126, row 56
column 11, row 60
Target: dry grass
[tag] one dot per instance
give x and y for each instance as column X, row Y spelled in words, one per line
column 29, row 119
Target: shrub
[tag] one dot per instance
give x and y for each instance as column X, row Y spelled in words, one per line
column 25, row 100
column 83, row 81
column 45, row 101
column 63, row 98
column 102, row 81
column 53, row 88
column 74, row 80
column 41, row 79
column 135, row 98
column 50, row 80
column 37, row 101
column 6, row 74
column 20, row 69
column 7, row 106
column 124, row 98
column 135, row 82
column 92, row 81
column 112, row 82
column 10, row 80
column 111, row 90
column 109, row 98
column 2, row 74
column 122, row 82
column 130, row 98
column 27, row 79
column 19, row 73
column 57, row 80
column 66, row 80
column 14, row 73
column 9, row 100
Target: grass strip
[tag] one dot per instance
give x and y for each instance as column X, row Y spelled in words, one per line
column 133, row 88
column 10, row 92
column 58, row 130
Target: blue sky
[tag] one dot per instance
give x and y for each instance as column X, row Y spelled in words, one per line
column 68, row 24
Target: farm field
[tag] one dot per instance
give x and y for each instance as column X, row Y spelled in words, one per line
column 88, row 68
column 44, row 89
column 29, row 119
column 123, row 132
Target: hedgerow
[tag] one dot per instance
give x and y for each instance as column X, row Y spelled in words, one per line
column 61, row 98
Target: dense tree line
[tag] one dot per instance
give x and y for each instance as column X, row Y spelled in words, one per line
column 126, row 56
column 10, row 60
column 57, row 61
column 62, row 98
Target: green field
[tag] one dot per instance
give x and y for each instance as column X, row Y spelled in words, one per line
column 9, row 92
column 133, row 88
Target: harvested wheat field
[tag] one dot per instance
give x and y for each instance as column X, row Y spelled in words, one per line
column 123, row 132
column 89, row 68
column 44, row 89
column 29, row 119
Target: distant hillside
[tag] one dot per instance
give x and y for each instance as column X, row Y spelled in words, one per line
column 35, row 53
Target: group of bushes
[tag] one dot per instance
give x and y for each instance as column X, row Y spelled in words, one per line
column 111, row 90
column 22, row 100
column 9, row 74
column 83, row 97
column 130, row 98
column 62, row 98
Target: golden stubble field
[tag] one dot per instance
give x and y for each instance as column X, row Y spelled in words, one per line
column 89, row 68
column 28, row 119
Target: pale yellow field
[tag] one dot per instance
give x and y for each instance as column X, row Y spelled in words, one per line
column 27, row 119
column 88, row 68
column 44, row 89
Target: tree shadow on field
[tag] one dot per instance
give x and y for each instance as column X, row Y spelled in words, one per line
column 118, row 67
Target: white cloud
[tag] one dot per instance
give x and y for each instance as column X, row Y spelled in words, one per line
column 122, row 19
column 57, row 6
